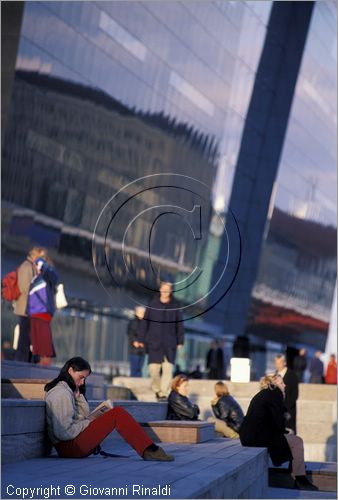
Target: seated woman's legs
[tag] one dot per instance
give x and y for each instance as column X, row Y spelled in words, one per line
column 223, row 428
column 297, row 450
column 116, row 418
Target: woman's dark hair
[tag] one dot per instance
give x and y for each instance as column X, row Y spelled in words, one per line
column 78, row 364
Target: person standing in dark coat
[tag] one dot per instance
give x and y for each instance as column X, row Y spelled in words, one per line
column 299, row 365
column 162, row 333
column 263, row 426
column 215, row 361
column 316, row 369
column 179, row 406
column 136, row 352
column 291, row 391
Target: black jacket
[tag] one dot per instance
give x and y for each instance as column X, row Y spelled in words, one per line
column 133, row 336
column 162, row 330
column 228, row 409
column 263, row 425
column 291, row 395
column 180, row 408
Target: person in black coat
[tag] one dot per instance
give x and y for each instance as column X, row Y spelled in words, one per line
column 215, row 361
column 291, row 391
column 179, row 406
column 264, row 426
column 228, row 414
column 136, row 352
column 162, row 333
column 300, row 364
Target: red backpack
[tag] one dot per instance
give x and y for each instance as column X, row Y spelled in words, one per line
column 9, row 286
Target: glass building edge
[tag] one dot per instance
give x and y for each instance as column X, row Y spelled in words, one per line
column 306, row 315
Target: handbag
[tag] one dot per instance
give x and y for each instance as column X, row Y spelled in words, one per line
column 60, row 298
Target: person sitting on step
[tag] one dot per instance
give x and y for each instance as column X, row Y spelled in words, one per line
column 179, row 406
column 264, row 426
column 228, row 413
column 73, row 434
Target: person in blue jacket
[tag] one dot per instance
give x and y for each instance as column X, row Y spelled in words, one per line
column 40, row 309
column 162, row 333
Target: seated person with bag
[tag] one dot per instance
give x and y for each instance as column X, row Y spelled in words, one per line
column 179, row 406
column 73, row 434
column 228, row 413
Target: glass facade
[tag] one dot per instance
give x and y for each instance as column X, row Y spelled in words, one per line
column 109, row 92
column 294, row 290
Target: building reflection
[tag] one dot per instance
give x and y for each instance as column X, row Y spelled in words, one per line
column 109, row 92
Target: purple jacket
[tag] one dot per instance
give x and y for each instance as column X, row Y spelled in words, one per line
column 41, row 296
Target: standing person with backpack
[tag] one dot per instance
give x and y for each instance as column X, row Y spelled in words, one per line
column 40, row 309
column 25, row 274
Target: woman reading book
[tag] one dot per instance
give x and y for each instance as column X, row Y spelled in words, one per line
column 73, row 434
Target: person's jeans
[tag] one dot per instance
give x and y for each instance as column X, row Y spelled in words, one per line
column 116, row 418
column 223, row 428
column 136, row 365
column 297, row 450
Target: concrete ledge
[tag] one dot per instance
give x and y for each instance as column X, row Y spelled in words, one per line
column 17, row 370
column 23, row 432
column 178, row 431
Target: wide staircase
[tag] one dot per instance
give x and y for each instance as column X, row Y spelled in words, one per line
column 206, row 466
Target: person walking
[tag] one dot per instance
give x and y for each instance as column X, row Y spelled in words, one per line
column 162, row 333
column 264, row 426
column 316, row 369
column 25, row 273
column 40, row 310
column 179, row 406
column 215, row 361
column 300, row 364
column 331, row 371
column 136, row 351
column 228, row 414
column 290, row 380
column 73, row 434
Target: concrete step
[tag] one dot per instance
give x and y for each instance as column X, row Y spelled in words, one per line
column 322, row 475
column 220, row 468
column 316, row 409
column 23, row 432
column 315, row 432
column 23, row 388
column 16, row 374
column 174, row 431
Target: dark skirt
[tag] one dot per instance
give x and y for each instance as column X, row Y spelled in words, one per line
column 41, row 338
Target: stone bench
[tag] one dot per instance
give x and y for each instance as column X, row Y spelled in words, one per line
column 23, row 429
column 180, row 431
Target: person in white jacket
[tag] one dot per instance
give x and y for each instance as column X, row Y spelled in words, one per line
column 73, row 434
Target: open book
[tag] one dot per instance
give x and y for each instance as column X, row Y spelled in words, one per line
column 100, row 409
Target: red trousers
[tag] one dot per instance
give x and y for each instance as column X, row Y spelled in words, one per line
column 116, row 418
